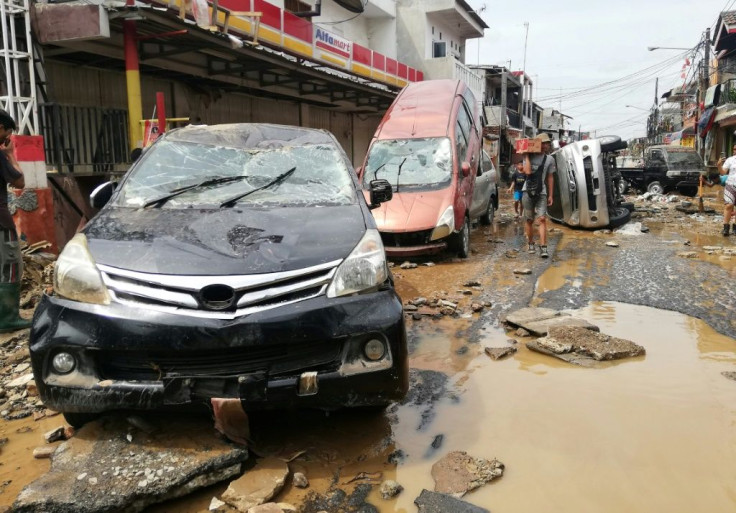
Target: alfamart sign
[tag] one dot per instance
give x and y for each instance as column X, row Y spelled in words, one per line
column 331, row 42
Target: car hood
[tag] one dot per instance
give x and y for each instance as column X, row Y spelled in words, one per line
column 412, row 211
column 225, row 241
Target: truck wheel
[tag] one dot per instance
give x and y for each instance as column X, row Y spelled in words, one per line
column 487, row 218
column 655, row 188
column 461, row 240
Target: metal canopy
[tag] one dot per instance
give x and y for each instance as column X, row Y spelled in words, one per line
column 171, row 48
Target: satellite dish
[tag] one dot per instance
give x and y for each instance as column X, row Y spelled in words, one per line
column 355, row 6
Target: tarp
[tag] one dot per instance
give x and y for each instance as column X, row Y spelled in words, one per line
column 705, row 123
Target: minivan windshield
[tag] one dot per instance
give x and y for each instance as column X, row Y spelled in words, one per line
column 412, row 163
column 195, row 174
column 684, row 160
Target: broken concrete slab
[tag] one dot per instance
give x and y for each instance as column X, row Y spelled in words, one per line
column 433, row 502
column 531, row 314
column 124, row 476
column 258, row 485
column 581, row 346
column 497, row 353
column 458, row 473
column 541, row 328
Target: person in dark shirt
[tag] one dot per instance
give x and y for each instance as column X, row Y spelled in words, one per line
column 517, row 184
column 11, row 263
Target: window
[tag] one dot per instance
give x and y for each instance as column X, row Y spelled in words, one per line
column 461, row 142
column 439, row 49
column 296, row 6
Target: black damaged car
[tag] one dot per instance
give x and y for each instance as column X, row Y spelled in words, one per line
column 233, row 261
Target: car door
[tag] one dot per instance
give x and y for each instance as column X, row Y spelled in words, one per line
column 482, row 189
column 464, row 151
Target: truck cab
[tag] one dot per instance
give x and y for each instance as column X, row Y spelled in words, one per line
column 665, row 168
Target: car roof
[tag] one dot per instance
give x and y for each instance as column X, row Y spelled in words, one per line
column 250, row 135
column 422, row 109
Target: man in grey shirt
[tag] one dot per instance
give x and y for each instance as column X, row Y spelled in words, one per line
column 540, row 170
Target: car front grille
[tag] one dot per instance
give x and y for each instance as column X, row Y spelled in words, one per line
column 180, row 294
column 276, row 359
column 402, row 240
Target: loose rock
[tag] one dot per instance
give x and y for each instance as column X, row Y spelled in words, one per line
column 522, row 271
column 257, row 485
column 458, row 473
column 497, row 353
column 300, row 480
column 390, row 489
column 433, row 502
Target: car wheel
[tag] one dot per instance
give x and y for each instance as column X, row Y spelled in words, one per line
column 620, row 217
column 77, row 420
column 623, row 186
column 611, row 143
column 655, row 188
column 690, row 192
column 487, row 218
column 462, row 240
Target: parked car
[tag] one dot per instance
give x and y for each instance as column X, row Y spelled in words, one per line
column 233, row 261
column 485, row 193
column 664, row 168
column 587, row 185
column 428, row 147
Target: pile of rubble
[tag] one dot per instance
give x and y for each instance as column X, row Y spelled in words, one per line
column 18, row 394
column 442, row 304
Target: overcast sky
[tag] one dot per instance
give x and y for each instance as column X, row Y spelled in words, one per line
column 573, row 45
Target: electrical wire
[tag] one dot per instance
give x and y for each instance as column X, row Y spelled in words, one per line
column 365, row 2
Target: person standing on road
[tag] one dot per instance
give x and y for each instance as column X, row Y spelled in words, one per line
column 727, row 166
column 539, row 169
column 11, row 263
column 517, row 184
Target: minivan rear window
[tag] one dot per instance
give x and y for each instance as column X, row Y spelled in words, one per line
column 420, row 164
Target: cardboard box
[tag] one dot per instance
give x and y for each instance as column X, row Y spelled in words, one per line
column 528, row 145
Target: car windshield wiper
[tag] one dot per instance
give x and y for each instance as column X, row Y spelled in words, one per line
column 278, row 179
column 181, row 190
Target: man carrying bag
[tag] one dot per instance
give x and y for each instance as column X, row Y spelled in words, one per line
column 539, row 169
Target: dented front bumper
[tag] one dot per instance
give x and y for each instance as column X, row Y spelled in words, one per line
column 308, row 354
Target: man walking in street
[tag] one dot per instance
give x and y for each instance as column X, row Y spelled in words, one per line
column 539, row 169
column 11, row 263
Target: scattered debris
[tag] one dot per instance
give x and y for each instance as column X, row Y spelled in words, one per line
column 390, row 489
column 687, row 254
column 44, row 451
column 408, row 265
column 458, row 473
column 472, row 283
column 300, row 480
column 497, row 353
column 522, row 271
column 539, row 320
column 257, row 485
column 729, row 374
column 365, row 476
column 612, row 244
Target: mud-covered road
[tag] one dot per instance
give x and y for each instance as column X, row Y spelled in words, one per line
column 653, row 433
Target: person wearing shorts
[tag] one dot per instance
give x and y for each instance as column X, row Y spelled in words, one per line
column 727, row 167
column 517, row 184
column 539, row 169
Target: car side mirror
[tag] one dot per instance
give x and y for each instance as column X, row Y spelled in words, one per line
column 102, row 194
column 466, row 169
column 381, row 192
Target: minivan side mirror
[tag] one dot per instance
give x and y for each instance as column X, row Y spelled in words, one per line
column 466, row 169
column 381, row 191
column 102, row 194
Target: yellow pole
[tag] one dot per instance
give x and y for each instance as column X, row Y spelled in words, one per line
column 133, row 81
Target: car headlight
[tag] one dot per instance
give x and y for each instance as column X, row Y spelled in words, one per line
column 445, row 225
column 363, row 269
column 76, row 276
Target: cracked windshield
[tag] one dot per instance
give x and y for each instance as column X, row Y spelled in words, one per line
column 368, row 256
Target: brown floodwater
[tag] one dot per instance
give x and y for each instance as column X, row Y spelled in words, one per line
column 654, row 433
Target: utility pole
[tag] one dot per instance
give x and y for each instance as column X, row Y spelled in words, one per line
column 655, row 129
column 704, row 83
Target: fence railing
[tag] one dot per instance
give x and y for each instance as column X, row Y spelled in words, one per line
column 84, row 139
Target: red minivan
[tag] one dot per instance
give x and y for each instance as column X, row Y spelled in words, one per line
column 428, row 147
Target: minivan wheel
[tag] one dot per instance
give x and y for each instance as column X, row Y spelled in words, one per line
column 623, row 186
column 487, row 218
column 620, row 217
column 655, row 188
column 77, row 420
column 462, row 240
column 611, row 143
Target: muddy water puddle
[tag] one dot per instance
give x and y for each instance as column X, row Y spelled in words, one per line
column 649, row 434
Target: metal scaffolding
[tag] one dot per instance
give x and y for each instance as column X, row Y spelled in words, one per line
column 19, row 95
